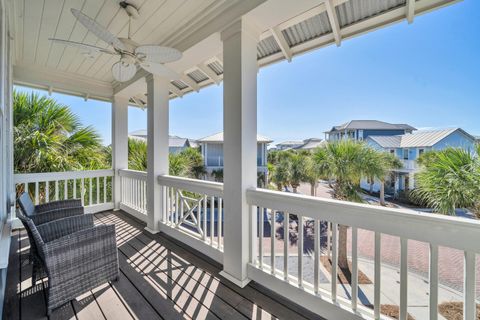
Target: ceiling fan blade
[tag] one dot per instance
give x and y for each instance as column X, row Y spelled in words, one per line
column 98, row 30
column 123, row 72
column 158, row 54
column 86, row 47
column 160, row 70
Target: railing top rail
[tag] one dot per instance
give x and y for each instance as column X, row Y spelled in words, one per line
column 135, row 174
column 193, row 185
column 454, row 232
column 52, row 176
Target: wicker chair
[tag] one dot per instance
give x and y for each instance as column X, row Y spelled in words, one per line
column 77, row 256
column 44, row 213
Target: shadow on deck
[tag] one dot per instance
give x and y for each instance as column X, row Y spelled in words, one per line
column 159, row 279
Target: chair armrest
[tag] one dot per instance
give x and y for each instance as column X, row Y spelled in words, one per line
column 82, row 250
column 61, row 204
column 52, row 215
column 63, row 227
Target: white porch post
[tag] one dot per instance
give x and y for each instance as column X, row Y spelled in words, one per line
column 157, row 153
column 240, row 143
column 119, row 143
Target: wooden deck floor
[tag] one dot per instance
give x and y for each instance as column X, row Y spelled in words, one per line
column 159, row 279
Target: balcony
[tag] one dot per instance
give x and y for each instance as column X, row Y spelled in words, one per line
column 178, row 269
column 196, row 249
column 160, row 278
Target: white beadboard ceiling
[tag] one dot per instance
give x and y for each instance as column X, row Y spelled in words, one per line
column 288, row 28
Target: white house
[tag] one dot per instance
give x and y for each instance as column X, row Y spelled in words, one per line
column 362, row 129
column 176, row 144
column 290, row 144
column 212, row 152
column 409, row 147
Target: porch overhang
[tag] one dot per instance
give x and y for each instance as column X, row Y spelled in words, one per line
column 287, row 29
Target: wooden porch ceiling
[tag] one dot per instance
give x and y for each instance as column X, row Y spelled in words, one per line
column 159, row 279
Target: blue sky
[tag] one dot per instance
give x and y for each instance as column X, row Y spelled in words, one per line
column 426, row 74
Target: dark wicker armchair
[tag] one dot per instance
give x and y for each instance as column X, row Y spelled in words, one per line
column 77, row 256
column 44, row 213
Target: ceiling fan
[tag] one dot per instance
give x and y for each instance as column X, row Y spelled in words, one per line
column 132, row 55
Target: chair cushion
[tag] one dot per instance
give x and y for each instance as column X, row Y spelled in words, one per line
column 26, row 204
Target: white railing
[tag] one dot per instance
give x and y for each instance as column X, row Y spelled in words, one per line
column 272, row 261
column 409, row 164
column 133, row 194
column 93, row 187
column 194, row 213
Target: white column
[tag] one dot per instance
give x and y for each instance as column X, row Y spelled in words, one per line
column 240, row 143
column 157, row 153
column 119, row 143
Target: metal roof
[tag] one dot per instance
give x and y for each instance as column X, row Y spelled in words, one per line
column 423, row 138
column 371, row 125
column 311, row 144
column 266, row 47
column 173, row 141
column 218, row 137
column 308, row 29
column 354, row 11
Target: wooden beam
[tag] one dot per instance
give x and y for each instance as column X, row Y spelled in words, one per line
column 209, row 72
column 333, row 19
column 282, row 43
column 410, row 10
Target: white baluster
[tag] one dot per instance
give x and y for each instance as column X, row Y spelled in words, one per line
column 286, row 238
column 272, row 240
column 403, row 278
column 316, row 257
column 56, row 190
column 469, row 306
column 37, row 200
column 300, row 251
column 261, row 226
column 204, row 227
column 47, row 191
column 98, row 190
column 90, row 200
column 212, row 219
column 354, row 268
column 220, row 221
column 377, row 284
column 433, row 279
column 334, row 260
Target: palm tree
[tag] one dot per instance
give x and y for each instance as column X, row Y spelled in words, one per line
column 298, row 170
column 281, row 174
column 388, row 163
column 48, row 137
column 178, row 165
column 195, row 162
column 449, row 179
column 137, row 154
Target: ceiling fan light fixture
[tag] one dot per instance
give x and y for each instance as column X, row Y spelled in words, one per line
column 123, row 72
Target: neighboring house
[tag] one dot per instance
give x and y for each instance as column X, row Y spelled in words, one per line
column 409, row 147
column 175, row 144
column 477, row 139
column 212, row 151
column 310, row 144
column 291, row 144
column 362, row 129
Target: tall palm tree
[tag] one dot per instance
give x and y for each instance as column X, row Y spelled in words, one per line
column 179, row 165
column 298, row 170
column 449, row 179
column 49, row 137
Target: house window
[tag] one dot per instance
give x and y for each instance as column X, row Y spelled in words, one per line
column 405, row 154
column 421, row 151
column 392, row 151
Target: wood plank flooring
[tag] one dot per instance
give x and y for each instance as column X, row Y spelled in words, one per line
column 160, row 278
